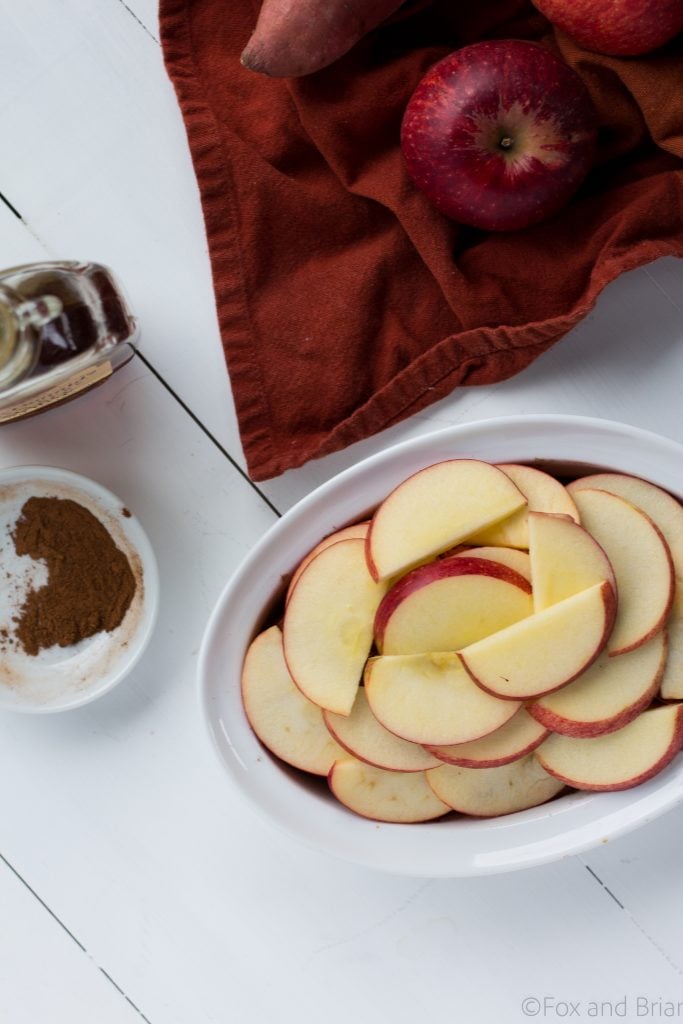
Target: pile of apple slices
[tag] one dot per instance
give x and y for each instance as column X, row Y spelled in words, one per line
column 489, row 638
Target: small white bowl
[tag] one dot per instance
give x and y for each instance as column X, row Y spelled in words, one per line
column 61, row 678
column 456, row 846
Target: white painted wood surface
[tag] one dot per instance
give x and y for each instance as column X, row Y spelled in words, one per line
column 133, row 883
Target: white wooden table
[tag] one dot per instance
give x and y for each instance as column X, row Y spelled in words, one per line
column 134, row 884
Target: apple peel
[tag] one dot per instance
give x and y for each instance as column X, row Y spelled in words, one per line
column 565, row 559
column 641, row 561
column 328, row 625
column 285, row 721
column 346, row 533
column 490, row 792
column 448, row 604
column 400, row 797
column 430, row 699
column 619, row 760
column 362, row 736
column 543, row 494
column 518, row 737
column 546, row 651
column 434, row 509
column 609, row 695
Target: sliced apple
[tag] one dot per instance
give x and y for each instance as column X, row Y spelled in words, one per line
column 667, row 514
column 346, row 533
column 663, row 509
column 565, row 559
column 514, row 740
column 328, row 625
column 543, row 494
column 545, row 651
column 641, row 561
column 365, row 738
column 448, row 604
column 488, row 792
column 375, row 793
column 620, row 759
column 435, row 509
column 285, row 721
column 609, row 695
column 513, row 559
column 430, row 699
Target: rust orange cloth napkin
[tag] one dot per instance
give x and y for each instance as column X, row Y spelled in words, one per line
column 345, row 301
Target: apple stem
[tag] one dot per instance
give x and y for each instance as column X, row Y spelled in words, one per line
column 507, row 142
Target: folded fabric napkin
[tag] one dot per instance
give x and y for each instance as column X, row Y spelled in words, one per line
column 345, row 300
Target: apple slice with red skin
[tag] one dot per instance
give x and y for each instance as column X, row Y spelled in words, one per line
column 609, row 695
column 662, row 508
column 402, row 797
column 346, row 533
column 490, row 792
column 285, row 721
column 430, row 699
column 565, row 559
column 499, row 135
column 667, row 514
column 543, row 494
column 365, row 738
column 546, row 651
column 641, row 561
column 514, row 740
column 328, row 625
column 434, row 509
column 620, row 759
column 448, row 604
column 619, row 29
column 512, row 558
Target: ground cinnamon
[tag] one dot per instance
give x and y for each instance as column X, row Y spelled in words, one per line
column 90, row 582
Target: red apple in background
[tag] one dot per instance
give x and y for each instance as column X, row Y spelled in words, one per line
column 617, row 27
column 499, row 135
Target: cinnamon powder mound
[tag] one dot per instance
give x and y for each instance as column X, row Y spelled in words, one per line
column 90, row 582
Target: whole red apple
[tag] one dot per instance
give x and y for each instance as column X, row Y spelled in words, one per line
column 499, row 135
column 617, row 27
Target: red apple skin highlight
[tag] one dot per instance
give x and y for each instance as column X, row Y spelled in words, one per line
column 667, row 757
column 613, row 27
column 443, row 568
column 494, row 762
column 589, row 730
column 499, row 135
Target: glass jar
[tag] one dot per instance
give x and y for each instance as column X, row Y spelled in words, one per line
column 64, row 327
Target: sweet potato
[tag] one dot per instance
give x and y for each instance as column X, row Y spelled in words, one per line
column 297, row 37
